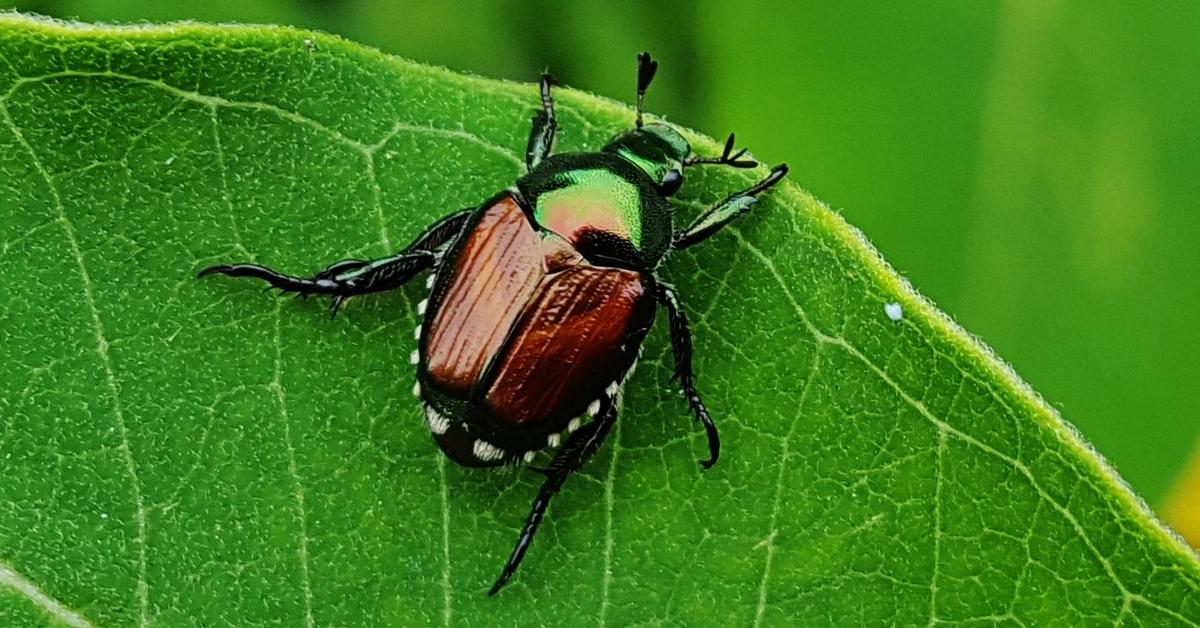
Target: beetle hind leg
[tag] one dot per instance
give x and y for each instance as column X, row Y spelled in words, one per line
column 577, row 449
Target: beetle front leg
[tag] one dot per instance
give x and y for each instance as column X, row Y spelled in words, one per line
column 579, row 447
column 541, row 135
column 681, row 347
column 724, row 212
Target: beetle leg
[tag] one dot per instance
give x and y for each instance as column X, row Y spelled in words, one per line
column 287, row 283
column 352, row 277
column 342, row 266
column 579, row 447
column 724, row 212
column 356, row 277
column 375, row 276
column 441, row 233
column 681, row 347
column 385, row 273
column 541, row 135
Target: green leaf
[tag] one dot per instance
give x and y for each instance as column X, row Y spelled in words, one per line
column 178, row 451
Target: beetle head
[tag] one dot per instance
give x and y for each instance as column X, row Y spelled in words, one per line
column 656, row 149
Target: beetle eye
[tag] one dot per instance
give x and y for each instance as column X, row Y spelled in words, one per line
column 671, row 182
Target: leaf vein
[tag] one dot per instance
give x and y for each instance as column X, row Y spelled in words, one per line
column 110, row 380
column 222, row 172
column 10, row 578
column 939, row 478
column 447, row 590
column 609, row 481
column 293, row 470
column 813, row 369
column 1128, row 597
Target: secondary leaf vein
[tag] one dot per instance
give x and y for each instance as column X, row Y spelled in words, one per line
column 293, row 470
column 110, row 380
column 9, row 577
column 1128, row 597
column 778, row 498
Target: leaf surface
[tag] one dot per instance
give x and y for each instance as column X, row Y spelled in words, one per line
column 198, row 452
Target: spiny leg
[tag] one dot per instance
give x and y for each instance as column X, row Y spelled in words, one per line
column 575, row 452
column 724, row 212
column 681, row 347
column 541, row 134
column 352, row 277
column 441, row 233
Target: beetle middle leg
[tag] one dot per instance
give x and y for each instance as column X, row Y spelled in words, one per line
column 579, row 447
column 352, row 277
column 724, row 212
column 541, row 135
column 681, row 348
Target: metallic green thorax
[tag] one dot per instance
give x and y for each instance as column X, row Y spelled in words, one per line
column 596, row 200
column 611, row 205
column 606, row 204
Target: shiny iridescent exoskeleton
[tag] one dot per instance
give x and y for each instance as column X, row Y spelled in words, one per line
column 540, row 298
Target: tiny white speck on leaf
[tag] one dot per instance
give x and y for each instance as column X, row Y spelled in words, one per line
column 893, row 311
column 104, row 515
column 170, row 160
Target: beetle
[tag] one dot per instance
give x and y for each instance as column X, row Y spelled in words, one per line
column 540, row 298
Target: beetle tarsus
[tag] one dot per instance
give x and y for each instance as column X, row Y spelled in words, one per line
column 710, row 431
column 777, row 173
column 681, row 349
column 275, row 279
column 575, row 452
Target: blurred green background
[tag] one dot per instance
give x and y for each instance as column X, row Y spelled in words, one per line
column 1030, row 166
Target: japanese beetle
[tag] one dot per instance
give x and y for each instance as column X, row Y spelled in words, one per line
column 540, row 298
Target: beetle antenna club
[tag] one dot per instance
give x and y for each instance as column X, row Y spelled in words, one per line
column 646, row 69
column 539, row 299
